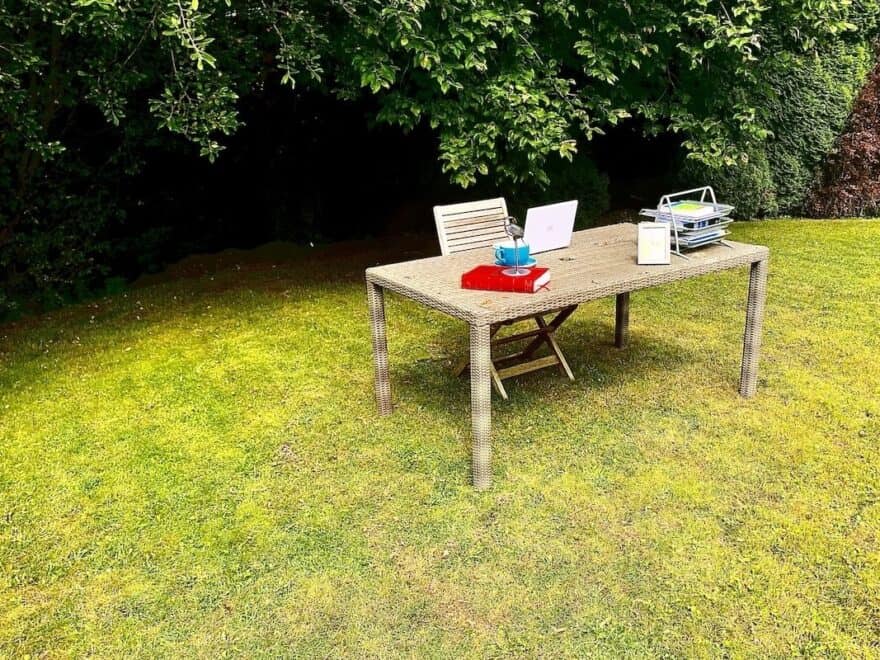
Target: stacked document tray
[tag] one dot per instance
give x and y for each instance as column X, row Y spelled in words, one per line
column 694, row 223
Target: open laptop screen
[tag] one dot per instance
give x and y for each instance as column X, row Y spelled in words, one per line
column 549, row 227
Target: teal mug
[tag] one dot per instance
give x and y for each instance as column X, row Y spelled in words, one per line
column 506, row 254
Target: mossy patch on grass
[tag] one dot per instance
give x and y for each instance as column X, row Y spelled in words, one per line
column 197, row 468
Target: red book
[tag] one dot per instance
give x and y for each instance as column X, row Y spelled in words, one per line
column 490, row 278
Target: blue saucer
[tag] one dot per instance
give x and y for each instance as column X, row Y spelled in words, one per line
column 531, row 262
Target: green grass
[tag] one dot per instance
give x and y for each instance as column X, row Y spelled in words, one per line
column 196, row 468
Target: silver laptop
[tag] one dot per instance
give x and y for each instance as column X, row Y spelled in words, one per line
column 549, row 227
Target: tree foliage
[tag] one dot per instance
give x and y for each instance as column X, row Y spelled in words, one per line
column 803, row 101
column 506, row 84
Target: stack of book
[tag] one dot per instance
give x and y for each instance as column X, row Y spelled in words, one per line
column 693, row 223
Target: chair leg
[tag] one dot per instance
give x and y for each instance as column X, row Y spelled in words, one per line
column 560, row 318
column 544, row 334
column 554, row 348
column 496, row 381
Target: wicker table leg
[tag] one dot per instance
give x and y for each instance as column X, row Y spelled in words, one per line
column 621, row 320
column 481, row 406
column 748, row 382
column 376, row 303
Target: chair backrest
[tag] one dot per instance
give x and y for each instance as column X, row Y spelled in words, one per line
column 470, row 225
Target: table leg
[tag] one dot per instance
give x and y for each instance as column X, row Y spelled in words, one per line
column 748, row 382
column 481, row 406
column 376, row 303
column 621, row 320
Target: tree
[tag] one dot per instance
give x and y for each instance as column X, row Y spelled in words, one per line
column 506, row 84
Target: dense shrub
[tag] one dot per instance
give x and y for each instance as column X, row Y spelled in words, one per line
column 803, row 102
column 580, row 180
column 749, row 185
column 851, row 181
column 58, row 250
column 813, row 97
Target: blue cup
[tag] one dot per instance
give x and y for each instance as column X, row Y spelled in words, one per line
column 506, row 254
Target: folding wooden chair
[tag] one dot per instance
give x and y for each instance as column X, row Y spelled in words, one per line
column 480, row 225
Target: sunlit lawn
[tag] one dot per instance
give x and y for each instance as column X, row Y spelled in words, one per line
column 196, row 468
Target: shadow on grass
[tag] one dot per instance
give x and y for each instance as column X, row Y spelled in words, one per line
column 286, row 271
column 598, row 366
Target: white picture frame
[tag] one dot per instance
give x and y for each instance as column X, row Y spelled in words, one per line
column 653, row 244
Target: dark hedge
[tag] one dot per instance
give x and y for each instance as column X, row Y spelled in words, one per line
column 805, row 103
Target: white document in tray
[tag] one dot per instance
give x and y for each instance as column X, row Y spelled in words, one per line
column 690, row 209
column 653, row 243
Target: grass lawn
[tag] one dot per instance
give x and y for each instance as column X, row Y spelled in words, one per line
column 196, row 468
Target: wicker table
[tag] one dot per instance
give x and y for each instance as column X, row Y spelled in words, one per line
column 600, row 262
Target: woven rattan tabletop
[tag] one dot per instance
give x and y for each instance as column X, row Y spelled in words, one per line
column 600, row 262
